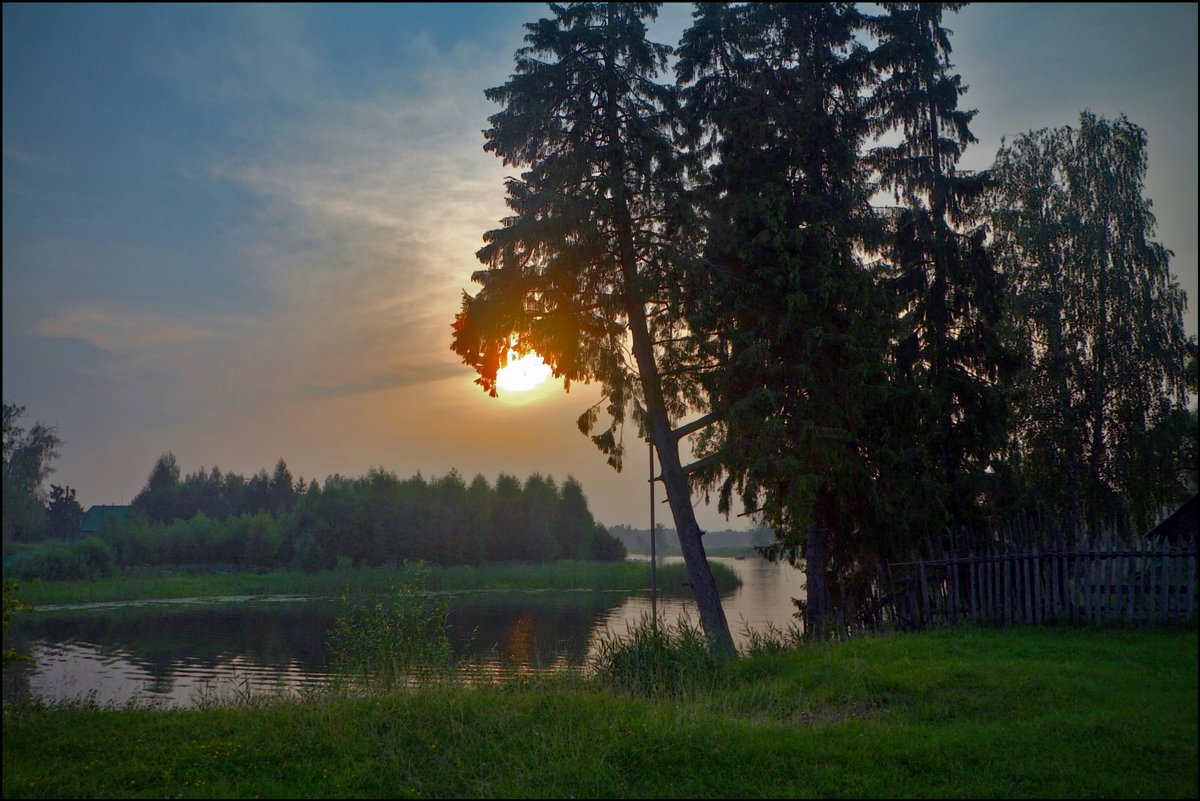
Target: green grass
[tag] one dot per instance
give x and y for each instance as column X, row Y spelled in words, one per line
column 1035, row 712
column 158, row 584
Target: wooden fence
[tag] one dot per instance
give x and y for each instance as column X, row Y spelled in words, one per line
column 1146, row 583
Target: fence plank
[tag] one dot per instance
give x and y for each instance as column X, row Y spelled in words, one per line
column 1056, row 563
column 1028, row 594
column 1126, row 581
column 924, row 610
column 993, row 567
column 994, row 587
column 972, row 574
column 1165, row 605
column 1035, row 569
column 1135, row 584
column 959, row 593
column 1142, row 577
column 1108, row 577
column 1085, row 581
column 1151, row 599
column 1004, row 601
column 1191, row 581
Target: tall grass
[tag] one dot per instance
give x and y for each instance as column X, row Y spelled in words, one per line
column 400, row 639
column 653, row 660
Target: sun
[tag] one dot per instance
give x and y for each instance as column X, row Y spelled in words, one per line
column 522, row 373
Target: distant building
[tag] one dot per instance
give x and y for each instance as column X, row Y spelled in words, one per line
column 1182, row 525
column 94, row 518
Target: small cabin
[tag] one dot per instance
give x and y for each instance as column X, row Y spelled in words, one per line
column 1181, row 526
column 93, row 518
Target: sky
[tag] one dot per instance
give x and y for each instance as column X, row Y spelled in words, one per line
column 241, row 233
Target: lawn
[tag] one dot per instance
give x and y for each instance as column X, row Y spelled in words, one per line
column 974, row 712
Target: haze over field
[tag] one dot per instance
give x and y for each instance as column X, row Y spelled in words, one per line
column 241, row 233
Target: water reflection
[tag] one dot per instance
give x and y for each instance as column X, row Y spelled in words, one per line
column 765, row 597
column 185, row 653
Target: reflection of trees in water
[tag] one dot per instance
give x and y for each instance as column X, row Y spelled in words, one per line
column 159, row 638
column 529, row 628
column 17, row 676
column 520, row 646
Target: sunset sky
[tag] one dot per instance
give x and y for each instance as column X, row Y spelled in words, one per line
column 240, row 233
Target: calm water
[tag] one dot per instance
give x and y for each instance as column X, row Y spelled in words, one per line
column 183, row 652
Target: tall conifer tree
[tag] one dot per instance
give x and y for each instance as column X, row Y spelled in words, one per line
column 799, row 333
column 585, row 270
column 949, row 349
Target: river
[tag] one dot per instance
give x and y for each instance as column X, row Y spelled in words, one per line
column 186, row 652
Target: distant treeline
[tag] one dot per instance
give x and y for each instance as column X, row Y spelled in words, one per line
column 271, row 521
column 637, row 540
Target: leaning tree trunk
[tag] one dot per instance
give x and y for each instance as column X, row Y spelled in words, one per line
column 679, row 497
column 704, row 586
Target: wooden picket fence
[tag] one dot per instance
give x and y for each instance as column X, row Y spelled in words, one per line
column 1093, row 582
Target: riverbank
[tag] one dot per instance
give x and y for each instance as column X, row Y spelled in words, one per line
column 143, row 585
column 967, row 712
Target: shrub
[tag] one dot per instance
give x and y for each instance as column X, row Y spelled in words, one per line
column 56, row 561
column 95, row 557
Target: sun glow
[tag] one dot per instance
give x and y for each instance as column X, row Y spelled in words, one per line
column 522, row 373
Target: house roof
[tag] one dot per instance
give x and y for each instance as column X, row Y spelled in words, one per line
column 93, row 519
column 1182, row 523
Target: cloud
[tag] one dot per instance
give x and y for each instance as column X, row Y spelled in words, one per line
column 407, row 376
column 118, row 333
column 372, row 209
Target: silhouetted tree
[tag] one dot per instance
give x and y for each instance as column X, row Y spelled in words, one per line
column 949, row 349
column 575, row 526
column 257, row 495
column 508, row 519
column 63, row 514
column 540, row 502
column 159, row 499
column 588, row 260
column 774, row 104
column 479, row 504
column 1103, row 428
column 27, row 457
column 281, row 490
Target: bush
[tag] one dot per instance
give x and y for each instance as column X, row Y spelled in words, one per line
column 95, row 557
column 56, row 561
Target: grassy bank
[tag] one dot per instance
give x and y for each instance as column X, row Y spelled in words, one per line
column 157, row 584
column 967, row 712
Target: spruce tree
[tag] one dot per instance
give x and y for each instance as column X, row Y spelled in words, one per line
column 948, row 349
column 797, row 331
column 585, row 271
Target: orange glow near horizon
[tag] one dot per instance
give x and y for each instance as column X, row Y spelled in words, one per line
column 522, row 373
